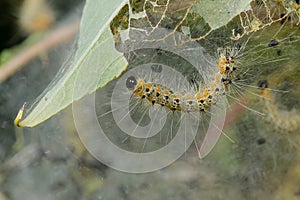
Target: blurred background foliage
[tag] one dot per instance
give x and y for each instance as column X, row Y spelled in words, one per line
column 49, row 161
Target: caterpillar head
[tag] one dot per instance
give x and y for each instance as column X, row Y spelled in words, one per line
column 263, row 85
column 131, row 82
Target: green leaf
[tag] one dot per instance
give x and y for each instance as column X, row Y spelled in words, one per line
column 95, row 63
column 219, row 12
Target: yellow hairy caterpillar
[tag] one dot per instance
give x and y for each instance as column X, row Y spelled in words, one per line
column 201, row 99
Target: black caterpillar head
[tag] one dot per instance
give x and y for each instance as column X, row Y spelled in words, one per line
column 131, row 82
column 263, row 84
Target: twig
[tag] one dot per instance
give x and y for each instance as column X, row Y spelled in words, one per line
column 55, row 37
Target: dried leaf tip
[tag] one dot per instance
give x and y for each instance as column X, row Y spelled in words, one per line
column 19, row 116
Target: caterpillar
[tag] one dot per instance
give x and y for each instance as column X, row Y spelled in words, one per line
column 199, row 101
